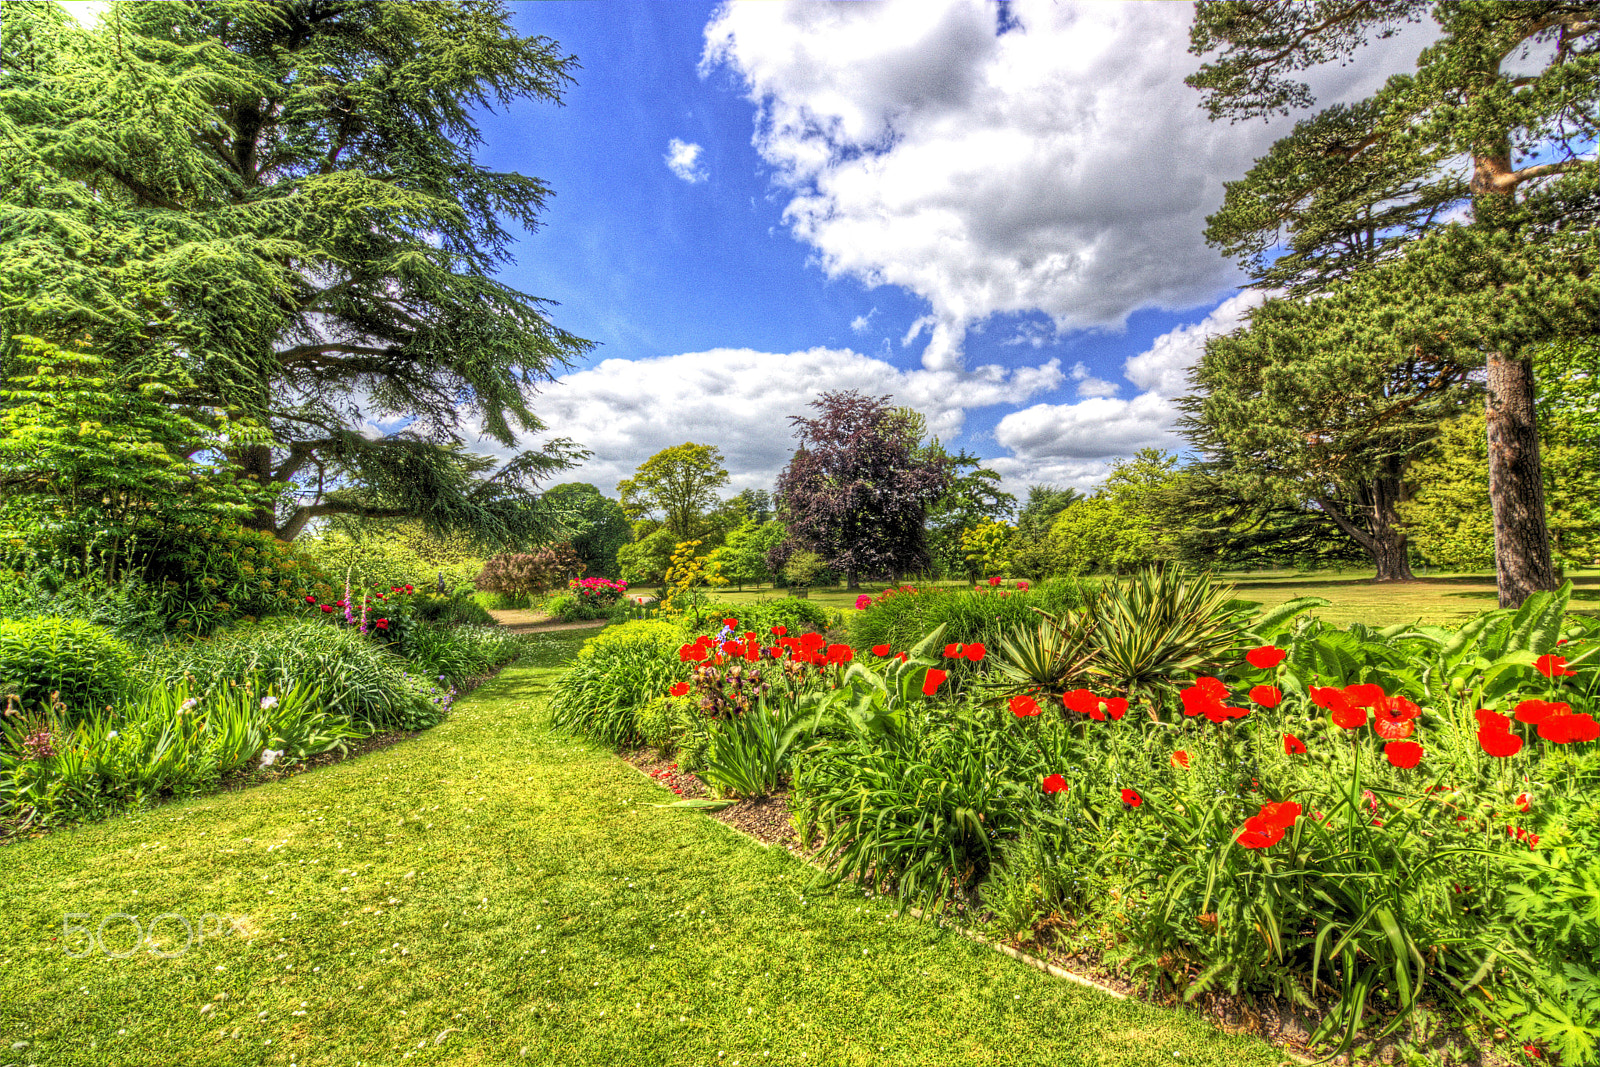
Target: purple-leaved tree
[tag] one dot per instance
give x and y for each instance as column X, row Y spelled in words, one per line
column 857, row 490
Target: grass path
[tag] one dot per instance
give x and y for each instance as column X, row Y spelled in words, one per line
column 490, row 893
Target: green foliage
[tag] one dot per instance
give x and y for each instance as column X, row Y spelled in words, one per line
column 453, row 655
column 987, row 549
column 984, row 615
column 1120, row 528
column 750, row 753
column 645, row 561
column 208, row 575
column 570, row 607
column 794, row 614
column 804, row 568
column 358, row 679
column 314, row 261
column 916, row 811
column 450, row 610
column 378, row 559
column 1449, row 517
column 164, row 744
column 688, row 577
column 973, row 500
column 79, row 665
column 615, row 674
column 679, row 484
column 594, row 524
column 742, row 557
column 92, row 460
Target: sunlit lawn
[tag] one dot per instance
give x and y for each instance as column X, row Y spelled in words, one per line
column 1439, row 599
column 489, row 893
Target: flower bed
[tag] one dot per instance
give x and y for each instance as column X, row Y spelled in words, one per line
column 1356, row 822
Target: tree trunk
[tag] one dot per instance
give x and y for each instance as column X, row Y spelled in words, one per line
column 1516, row 485
column 851, row 582
column 256, row 464
column 1383, row 537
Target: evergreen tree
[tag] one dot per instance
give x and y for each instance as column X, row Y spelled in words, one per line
column 1509, row 87
column 278, row 206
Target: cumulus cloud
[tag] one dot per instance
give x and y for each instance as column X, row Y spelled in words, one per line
column 1163, row 368
column 683, row 159
column 1073, row 444
column 740, row 400
column 1059, row 166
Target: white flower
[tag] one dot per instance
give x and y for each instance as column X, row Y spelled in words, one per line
column 268, row 702
column 270, row 756
column 187, row 704
column 111, row 735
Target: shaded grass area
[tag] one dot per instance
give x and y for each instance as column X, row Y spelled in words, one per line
column 488, row 893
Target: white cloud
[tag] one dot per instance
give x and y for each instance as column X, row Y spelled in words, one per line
column 740, row 400
column 683, row 159
column 1073, row 444
column 863, row 323
column 1163, row 368
column 1062, row 167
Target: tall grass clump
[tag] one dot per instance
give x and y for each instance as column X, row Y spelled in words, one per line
column 455, row 654
column 358, row 679
column 616, row 673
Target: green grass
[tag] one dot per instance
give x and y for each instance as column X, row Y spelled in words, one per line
column 491, row 893
column 1439, row 599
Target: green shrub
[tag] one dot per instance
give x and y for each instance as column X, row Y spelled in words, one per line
column 454, row 654
column 794, row 614
column 453, row 610
column 664, row 720
column 130, row 608
column 164, row 744
column 616, row 673
column 570, row 607
column 83, row 663
column 358, row 679
column 213, row 574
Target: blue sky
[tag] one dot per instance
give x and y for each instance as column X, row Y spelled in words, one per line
column 992, row 213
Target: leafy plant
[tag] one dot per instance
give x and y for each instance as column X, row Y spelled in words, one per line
column 82, row 663
column 615, row 673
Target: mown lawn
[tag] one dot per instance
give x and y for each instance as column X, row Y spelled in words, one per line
column 1438, row 599
column 490, row 893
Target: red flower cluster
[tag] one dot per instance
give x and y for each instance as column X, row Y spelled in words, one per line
column 880, row 650
column 1206, row 697
column 1054, row 784
column 1180, row 758
column 1267, row 827
column 1556, row 722
column 973, row 652
column 808, row 648
column 1087, row 703
column 994, row 580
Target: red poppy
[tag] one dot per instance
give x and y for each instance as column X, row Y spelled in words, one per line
column 812, row 642
column 1054, row 784
column 1553, row 666
column 1258, row 838
column 1268, row 696
column 327, row 607
column 901, row 657
column 779, row 631
column 382, row 624
column 1403, row 754
column 730, row 623
column 974, row 651
column 732, row 648
column 1116, row 707
column 840, row 653
column 1293, row 746
column 1524, row 801
column 952, row 651
column 1180, row 758
column 1131, row 798
column 1212, row 687
column 1565, row 729
column 1023, row 706
column 1280, row 813
column 1364, row 695
column 1391, row 727
column 880, row 650
column 1081, row 701
column 1537, row 711
column 1499, row 743
column 1266, row 657
column 681, row 689
column 931, row 682
column 311, row 600
column 1492, row 721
